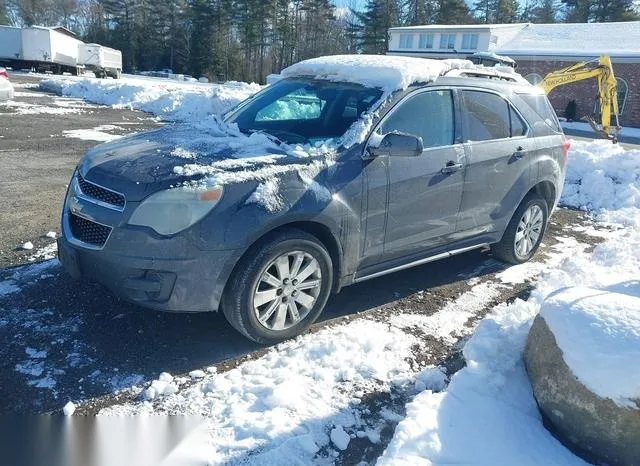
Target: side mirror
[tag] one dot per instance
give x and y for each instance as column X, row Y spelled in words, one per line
column 398, row 145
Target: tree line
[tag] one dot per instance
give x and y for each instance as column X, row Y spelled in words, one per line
column 248, row 39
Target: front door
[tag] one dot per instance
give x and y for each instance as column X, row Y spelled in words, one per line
column 423, row 192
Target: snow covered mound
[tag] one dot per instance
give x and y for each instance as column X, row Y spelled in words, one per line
column 604, row 177
column 389, row 73
column 168, row 100
column 599, row 335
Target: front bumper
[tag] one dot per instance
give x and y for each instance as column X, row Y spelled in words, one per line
column 163, row 273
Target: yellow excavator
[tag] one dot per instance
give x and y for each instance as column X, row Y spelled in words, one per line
column 602, row 70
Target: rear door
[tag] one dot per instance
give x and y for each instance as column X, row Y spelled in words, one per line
column 497, row 146
column 424, row 192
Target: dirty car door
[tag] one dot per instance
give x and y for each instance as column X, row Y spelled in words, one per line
column 424, row 191
column 498, row 149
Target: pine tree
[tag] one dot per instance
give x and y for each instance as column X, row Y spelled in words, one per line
column 506, row 11
column 453, row 12
column 4, row 13
column 543, row 12
column 578, row 11
column 374, row 22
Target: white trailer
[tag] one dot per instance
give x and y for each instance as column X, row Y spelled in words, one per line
column 103, row 61
column 47, row 49
column 10, row 43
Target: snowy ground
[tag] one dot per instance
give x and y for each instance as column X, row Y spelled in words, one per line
column 423, row 366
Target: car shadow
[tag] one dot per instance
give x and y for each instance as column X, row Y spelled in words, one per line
column 70, row 340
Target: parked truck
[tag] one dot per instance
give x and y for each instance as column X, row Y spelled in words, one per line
column 40, row 49
column 103, row 61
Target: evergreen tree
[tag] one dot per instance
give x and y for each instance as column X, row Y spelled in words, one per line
column 496, row 11
column 4, row 13
column 506, row 11
column 374, row 22
column 453, row 12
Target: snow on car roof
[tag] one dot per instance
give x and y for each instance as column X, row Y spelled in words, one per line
column 389, row 73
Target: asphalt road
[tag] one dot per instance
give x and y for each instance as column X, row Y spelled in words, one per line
column 38, row 158
column 64, row 340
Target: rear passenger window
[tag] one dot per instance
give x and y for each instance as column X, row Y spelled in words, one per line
column 485, row 116
column 540, row 104
column 518, row 127
column 428, row 115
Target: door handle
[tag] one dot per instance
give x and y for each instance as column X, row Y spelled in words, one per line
column 519, row 153
column 451, row 167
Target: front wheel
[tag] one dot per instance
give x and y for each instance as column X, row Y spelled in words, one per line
column 524, row 232
column 280, row 288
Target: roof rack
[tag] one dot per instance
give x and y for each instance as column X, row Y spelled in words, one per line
column 486, row 73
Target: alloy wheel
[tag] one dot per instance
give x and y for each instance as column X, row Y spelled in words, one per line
column 529, row 231
column 287, row 290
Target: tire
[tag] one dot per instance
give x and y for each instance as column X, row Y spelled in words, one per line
column 508, row 250
column 247, row 286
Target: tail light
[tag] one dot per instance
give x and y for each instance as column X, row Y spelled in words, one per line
column 4, row 74
column 566, row 145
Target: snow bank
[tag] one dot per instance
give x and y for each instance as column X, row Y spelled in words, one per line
column 167, row 100
column 603, row 177
column 599, row 335
column 389, row 73
column 488, row 414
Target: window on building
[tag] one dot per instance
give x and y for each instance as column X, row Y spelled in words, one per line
column 534, row 78
column 448, row 41
column 470, row 41
column 406, row 41
column 623, row 90
column 426, row 41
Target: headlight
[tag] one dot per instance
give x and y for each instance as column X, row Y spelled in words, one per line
column 173, row 210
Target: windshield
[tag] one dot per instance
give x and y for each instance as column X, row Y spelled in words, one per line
column 301, row 111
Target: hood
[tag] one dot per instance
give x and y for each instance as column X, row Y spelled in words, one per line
column 144, row 163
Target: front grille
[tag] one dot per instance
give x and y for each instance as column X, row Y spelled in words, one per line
column 87, row 231
column 101, row 194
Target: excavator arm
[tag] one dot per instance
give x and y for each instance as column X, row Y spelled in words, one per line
column 607, row 91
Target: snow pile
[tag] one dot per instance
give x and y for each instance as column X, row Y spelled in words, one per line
column 488, row 414
column 295, row 399
column 605, row 178
column 599, row 335
column 389, row 73
column 167, row 100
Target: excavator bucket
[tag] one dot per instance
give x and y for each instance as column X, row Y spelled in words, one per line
column 611, row 135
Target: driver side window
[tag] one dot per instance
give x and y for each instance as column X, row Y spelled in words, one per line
column 428, row 115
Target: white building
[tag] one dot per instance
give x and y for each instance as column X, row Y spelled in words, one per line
column 537, row 50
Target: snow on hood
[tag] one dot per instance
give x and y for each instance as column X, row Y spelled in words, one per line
column 389, row 73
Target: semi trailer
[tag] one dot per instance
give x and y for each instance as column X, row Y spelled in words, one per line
column 55, row 50
column 103, row 61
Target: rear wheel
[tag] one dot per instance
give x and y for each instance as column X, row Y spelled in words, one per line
column 280, row 288
column 524, row 232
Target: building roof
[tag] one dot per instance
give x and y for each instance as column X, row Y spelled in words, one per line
column 457, row 27
column 576, row 39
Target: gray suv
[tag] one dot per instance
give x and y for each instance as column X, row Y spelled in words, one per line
column 265, row 235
